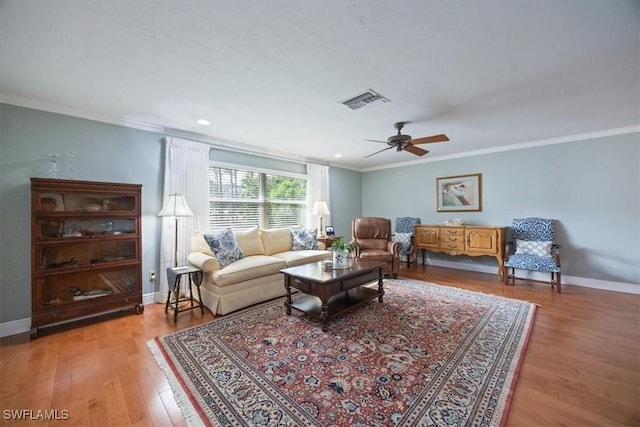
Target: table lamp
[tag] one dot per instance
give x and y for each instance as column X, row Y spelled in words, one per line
column 320, row 208
column 175, row 207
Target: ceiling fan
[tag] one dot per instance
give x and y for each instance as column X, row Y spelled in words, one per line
column 405, row 142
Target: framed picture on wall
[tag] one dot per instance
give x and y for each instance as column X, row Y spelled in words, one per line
column 460, row 193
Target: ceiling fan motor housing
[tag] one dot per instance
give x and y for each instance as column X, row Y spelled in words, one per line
column 398, row 139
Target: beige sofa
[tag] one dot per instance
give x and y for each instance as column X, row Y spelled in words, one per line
column 254, row 278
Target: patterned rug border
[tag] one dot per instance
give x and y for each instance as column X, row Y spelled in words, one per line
column 194, row 416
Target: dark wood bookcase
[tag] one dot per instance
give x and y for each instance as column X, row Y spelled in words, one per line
column 85, row 249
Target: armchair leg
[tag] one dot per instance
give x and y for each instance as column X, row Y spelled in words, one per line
column 555, row 280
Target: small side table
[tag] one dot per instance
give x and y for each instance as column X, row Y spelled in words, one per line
column 174, row 275
column 328, row 240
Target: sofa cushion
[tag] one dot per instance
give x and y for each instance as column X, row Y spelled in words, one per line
column 246, row 269
column 250, row 241
column 224, row 247
column 198, row 244
column 293, row 258
column 276, row 240
column 304, row 239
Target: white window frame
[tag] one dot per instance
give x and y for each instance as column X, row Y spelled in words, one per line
column 263, row 202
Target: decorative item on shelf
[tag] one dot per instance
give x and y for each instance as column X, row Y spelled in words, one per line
column 176, row 207
column 341, row 256
column 320, row 208
column 70, row 157
column 53, row 165
column 51, row 202
column 454, row 221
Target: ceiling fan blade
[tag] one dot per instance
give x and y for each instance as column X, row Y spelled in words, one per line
column 384, row 149
column 375, row 140
column 415, row 150
column 435, row 138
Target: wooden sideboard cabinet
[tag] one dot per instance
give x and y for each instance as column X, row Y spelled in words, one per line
column 85, row 249
column 462, row 240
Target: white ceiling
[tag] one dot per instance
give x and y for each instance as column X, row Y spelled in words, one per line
column 271, row 74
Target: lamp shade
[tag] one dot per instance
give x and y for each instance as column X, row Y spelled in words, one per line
column 176, row 206
column 320, row 208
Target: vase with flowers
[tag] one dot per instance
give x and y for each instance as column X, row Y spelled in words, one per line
column 341, row 256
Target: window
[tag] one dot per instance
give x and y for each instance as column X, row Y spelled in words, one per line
column 243, row 198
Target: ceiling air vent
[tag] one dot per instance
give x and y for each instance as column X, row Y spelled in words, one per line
column 365, row 98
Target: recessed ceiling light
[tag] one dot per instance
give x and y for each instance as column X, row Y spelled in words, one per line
column 337, row 155
column 204, row 122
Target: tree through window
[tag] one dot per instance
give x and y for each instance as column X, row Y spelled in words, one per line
column 241, row 199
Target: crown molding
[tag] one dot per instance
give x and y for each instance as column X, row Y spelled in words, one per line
column 82, row 114
column 265, row 152
column 511, row 147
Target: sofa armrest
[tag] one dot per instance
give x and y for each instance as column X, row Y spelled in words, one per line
column 205, row 262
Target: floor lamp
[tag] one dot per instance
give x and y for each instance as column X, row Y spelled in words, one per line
column 175, row 207
column 320, row 208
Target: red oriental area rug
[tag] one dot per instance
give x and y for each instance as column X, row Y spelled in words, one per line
column 428, row 355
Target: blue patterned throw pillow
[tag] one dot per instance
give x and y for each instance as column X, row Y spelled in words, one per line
column 304, row 239
column 224, row 247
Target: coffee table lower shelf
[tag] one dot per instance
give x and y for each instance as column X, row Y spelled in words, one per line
column 337, row 304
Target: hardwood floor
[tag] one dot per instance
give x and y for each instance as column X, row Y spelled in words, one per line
column 581, row 368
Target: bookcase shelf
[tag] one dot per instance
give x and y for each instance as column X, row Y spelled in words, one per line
column 85, row 249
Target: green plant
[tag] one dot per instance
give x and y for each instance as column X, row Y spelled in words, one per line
column 341, row 245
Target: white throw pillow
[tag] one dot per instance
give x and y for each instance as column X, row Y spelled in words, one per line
column 404, row 238
column 534, row 247
column 276, row 240
column 249, row 241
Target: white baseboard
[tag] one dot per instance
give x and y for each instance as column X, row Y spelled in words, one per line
column 605, row 285
column 15, row 327
column 24, row 325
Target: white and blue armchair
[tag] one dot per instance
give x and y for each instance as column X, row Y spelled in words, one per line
column 533, row 248
column 404, row 235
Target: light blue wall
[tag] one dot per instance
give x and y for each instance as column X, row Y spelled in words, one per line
column 346, row 199
column 104, row 153
column 591, row 187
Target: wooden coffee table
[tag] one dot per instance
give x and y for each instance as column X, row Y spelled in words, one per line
column 330, row 293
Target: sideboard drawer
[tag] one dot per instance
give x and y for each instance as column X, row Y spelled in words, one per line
column 452, row 231
column 458, row 246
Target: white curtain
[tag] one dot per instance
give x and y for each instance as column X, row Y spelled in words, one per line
column 317, row 190
column 186, row 171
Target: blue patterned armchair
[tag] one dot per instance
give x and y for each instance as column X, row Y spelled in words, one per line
column 404, row 235
column 533, row 248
